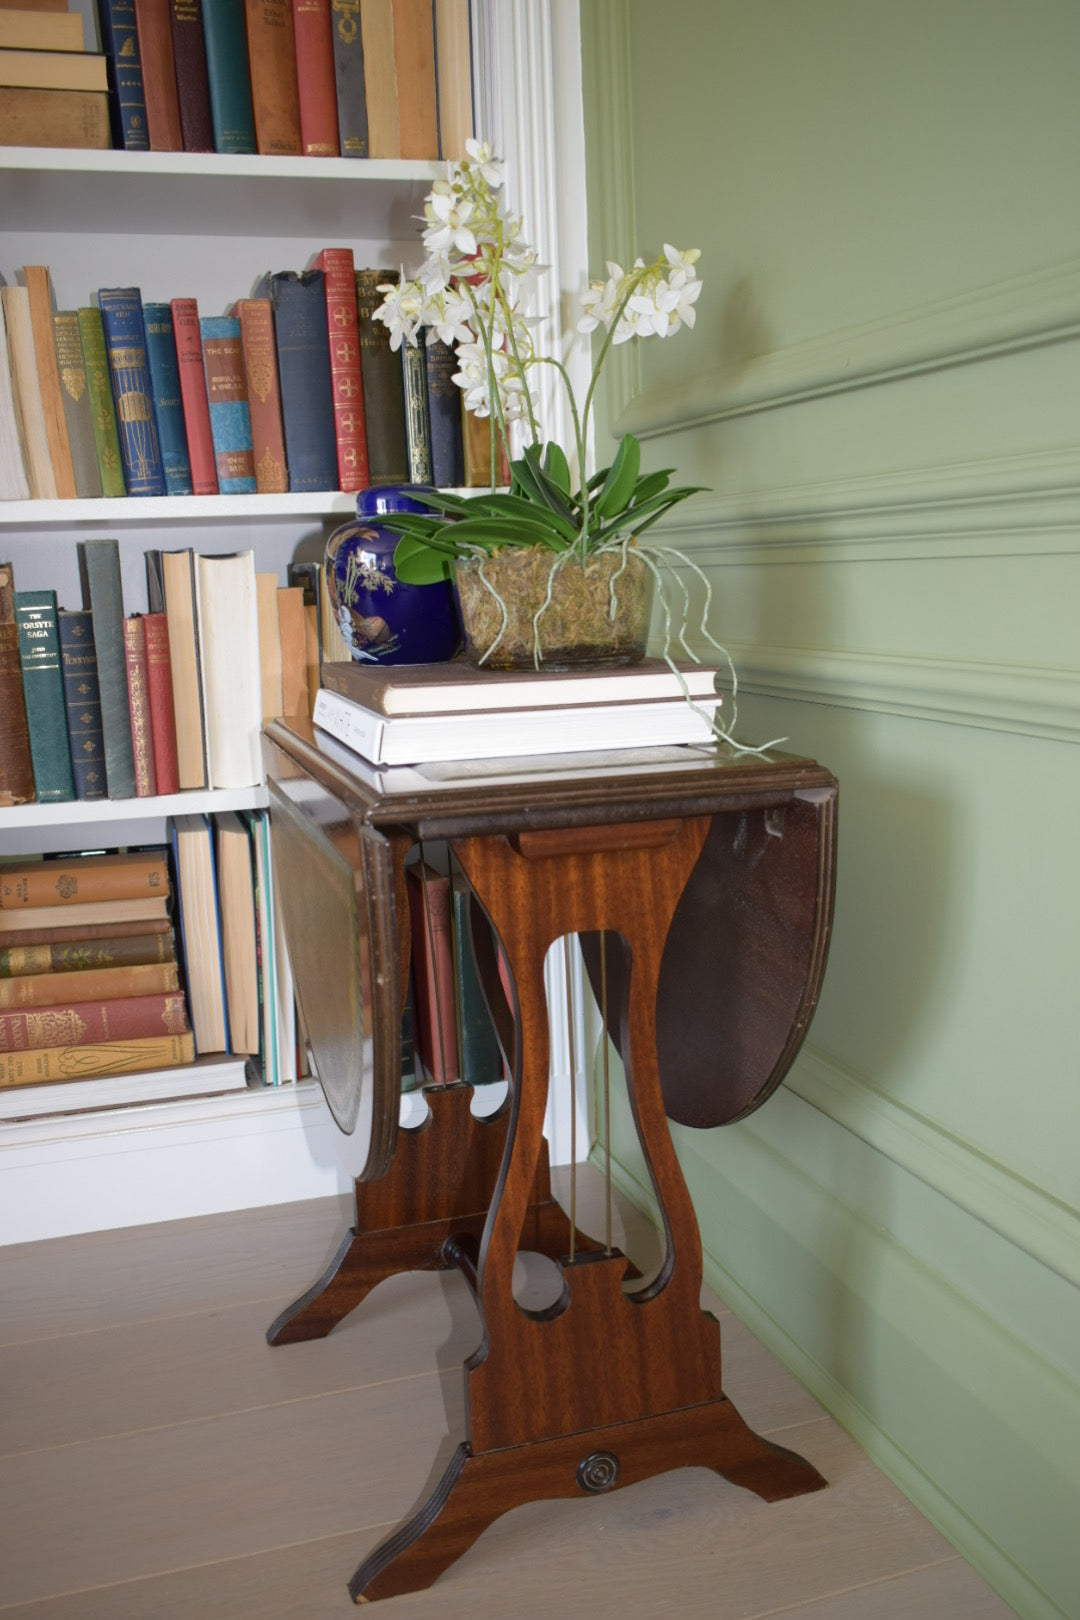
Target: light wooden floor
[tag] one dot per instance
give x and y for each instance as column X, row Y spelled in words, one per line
column 159, row 1462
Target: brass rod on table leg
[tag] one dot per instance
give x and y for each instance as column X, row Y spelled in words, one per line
column 573, row 1094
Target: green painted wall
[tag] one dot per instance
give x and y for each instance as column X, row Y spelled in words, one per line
column 883, row 395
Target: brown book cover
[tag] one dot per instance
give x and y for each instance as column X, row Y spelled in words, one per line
column 236, row 902
column 292, row 623
column 54, row 70
column 77, row 1023
column 259, row 350
column 153, row 26
column 15, row 923
column 476, row 444
column 142, row 740
column 383, row 384
column 189, row 360
column 350, row 427
column 453, row 58
column 266, row 602
column 274, row 92
column 29, row 406
column 70, row 950
column 178, row 580
column 29, row 29
column 380, row 78
column 200, row 931
column 192, row 79
column 433, row 971
column 16, row 766
column 160, row 698
column 52, row 398
column 78, row 409
column 68, row 881
column 76, row 118
column 14, row 484
column 313, row 27
column 414, row 61
column 89, row 984
column 43, row 1064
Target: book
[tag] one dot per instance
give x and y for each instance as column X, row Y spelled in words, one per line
column 433, row 971
column 230, row 418
column 153, row 27
column 89, row 984
column 77, row 118
column 187, row 334
column 259, row 351
column 129, row 373
column 228, row 76
column 499, row 734
column 41, row 30
column 430, row 689
column 414, row 63
column 14, row 485
column 78, row 1023
column 486, row 466
column 54, row 70
column 266, row 606
column 307, row 395
column 313, row 30
column 102, row 404
column 229, row 660
column 236, row 896
column 257, row 823
column 479, row 1058
column 82, row 700
column 91, row 912
column 200, row 931
column 16, row 763
column 184, row 1078
column 291, row 627
column 171, row 589
column 39, row 290
column 168, row 404
column 383, row 384
column 26, row 389
column 159, row 696
column 349, row 78
column 68, row 882
column 127, row 103
column 272, row 64
column 453, row 65
column 346, row 379
column 102, row 592
column 41, row 1065
column 417, row 421
column 43, row 691
column 142, row 741
column 82, row 948
column 77, row 403
column 444, row 416
column 380, row 78
column 192, row 83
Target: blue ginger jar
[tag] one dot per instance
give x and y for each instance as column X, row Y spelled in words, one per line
column 383, row 620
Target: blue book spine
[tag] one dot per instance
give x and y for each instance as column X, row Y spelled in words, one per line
column 168, row 405
column 82, row 695
column 444, row 415
column 307, row 390
column 129, row 373
column 229, row 76
column 230, row 418
column 127, row 103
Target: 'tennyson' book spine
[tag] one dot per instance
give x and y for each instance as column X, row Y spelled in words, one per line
column 127, row 103
column 350, row 427
column 168, row 405
column 82, row 696
column 129, row 372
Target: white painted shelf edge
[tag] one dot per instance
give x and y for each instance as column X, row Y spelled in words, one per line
column 116, row 811
column 153, row 509
column 203, row 165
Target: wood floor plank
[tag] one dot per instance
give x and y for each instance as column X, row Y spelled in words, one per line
column 948, row 1591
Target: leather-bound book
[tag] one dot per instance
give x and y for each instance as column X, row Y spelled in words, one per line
column 160, row 698
column 142, row 740
column 433, row 971
column 14, row 484
column 384, row 388
column 99, row 570
column 52, row 397
column 56, row 949
column 129, row 373
column 307, row 394
column 274, row 94
column 127, row 102
column 43, row 690
column 256, row 317
column 16, row 764
column 82, row 698
column 453, row 68
column 77, row 1023
column 414, row 61
column 313, row 29
column 192, row 83
column 88, row 984
column 346, row 378
column 29, row 410
column 170, row 585
column 230, row 419
column 102, row 404
column 417, row 423
column 380, row 78
column 153, row 26
column 350, row 80
column 444, row 417
column 228, row 75
column 187, row 334
column 168, row 403
column 68, row 882
column 39, row 1065
column 78, row 407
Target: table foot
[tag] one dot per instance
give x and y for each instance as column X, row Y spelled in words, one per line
column 479, row 1488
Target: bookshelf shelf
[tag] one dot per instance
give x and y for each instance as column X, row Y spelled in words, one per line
column 149, row 511
column 118, row 813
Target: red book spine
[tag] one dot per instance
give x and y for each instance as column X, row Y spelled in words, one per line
column 79, row 1022
column 313, row 26
column 153, row 27
column 189, row 358
column 350, row 424
column 160, row 697
column 433, row 972
column 139, row 704
column 257, row 344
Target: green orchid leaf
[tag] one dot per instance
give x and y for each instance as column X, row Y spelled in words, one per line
column 417, row 564
column 513, row 506
column 539, row 485
column 619, row 484
column 650, row 484
column 557, row 467
column 505, row 531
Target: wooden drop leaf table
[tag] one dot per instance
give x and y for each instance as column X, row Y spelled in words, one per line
column 700, row 884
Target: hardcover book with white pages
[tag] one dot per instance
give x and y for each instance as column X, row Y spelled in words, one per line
column 458, row 685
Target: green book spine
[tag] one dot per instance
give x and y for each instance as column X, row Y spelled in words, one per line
column 229, row 76
column 78, row 410
column 78, row 666
column 99, row 569
column 103, row 407
column 43, row 689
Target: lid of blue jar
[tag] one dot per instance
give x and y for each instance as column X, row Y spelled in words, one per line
column 384, row 498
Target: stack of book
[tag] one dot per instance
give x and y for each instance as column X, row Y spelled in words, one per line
column 294, row 389
column 53, row 92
